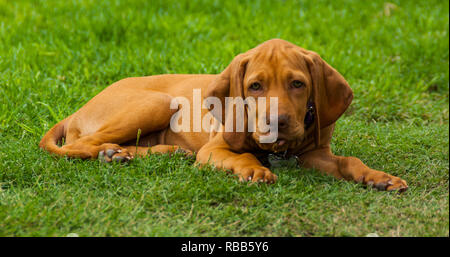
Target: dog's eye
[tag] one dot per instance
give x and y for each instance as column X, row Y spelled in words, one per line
column 297, row 84
column 255, row 86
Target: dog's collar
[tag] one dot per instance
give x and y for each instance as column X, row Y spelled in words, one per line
column 285, row 155
column 309, row 118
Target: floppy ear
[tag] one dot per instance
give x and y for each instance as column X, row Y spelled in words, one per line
column 332, row 94
column 229, row 83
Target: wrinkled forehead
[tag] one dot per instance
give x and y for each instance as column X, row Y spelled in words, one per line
column 277, row 61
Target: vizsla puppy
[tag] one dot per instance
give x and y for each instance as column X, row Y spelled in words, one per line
column 311, row 97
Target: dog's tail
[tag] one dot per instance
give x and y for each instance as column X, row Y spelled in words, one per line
column 50, row 140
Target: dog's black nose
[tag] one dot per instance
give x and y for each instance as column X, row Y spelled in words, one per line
column 283, row 121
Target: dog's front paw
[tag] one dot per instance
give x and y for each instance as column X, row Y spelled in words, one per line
column 396, row 184
column 256, row 174
column 384, row 182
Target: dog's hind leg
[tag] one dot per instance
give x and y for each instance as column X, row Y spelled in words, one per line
column 132, row 151
column 108, row 121
column 162, row 149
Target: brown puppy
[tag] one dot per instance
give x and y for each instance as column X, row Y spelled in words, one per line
column 311, row 97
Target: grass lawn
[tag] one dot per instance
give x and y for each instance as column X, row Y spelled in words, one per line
column 56, row 55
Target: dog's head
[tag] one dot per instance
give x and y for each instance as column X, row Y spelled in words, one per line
column 298, row 78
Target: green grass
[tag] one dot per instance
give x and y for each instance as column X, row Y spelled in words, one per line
column 56, row 55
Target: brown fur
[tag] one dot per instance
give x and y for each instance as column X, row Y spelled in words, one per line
column 109, row 123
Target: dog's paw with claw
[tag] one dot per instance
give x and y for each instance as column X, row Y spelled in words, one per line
column 256, row 174
column 114, row 155
column 383, row 181
column 188, row 154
